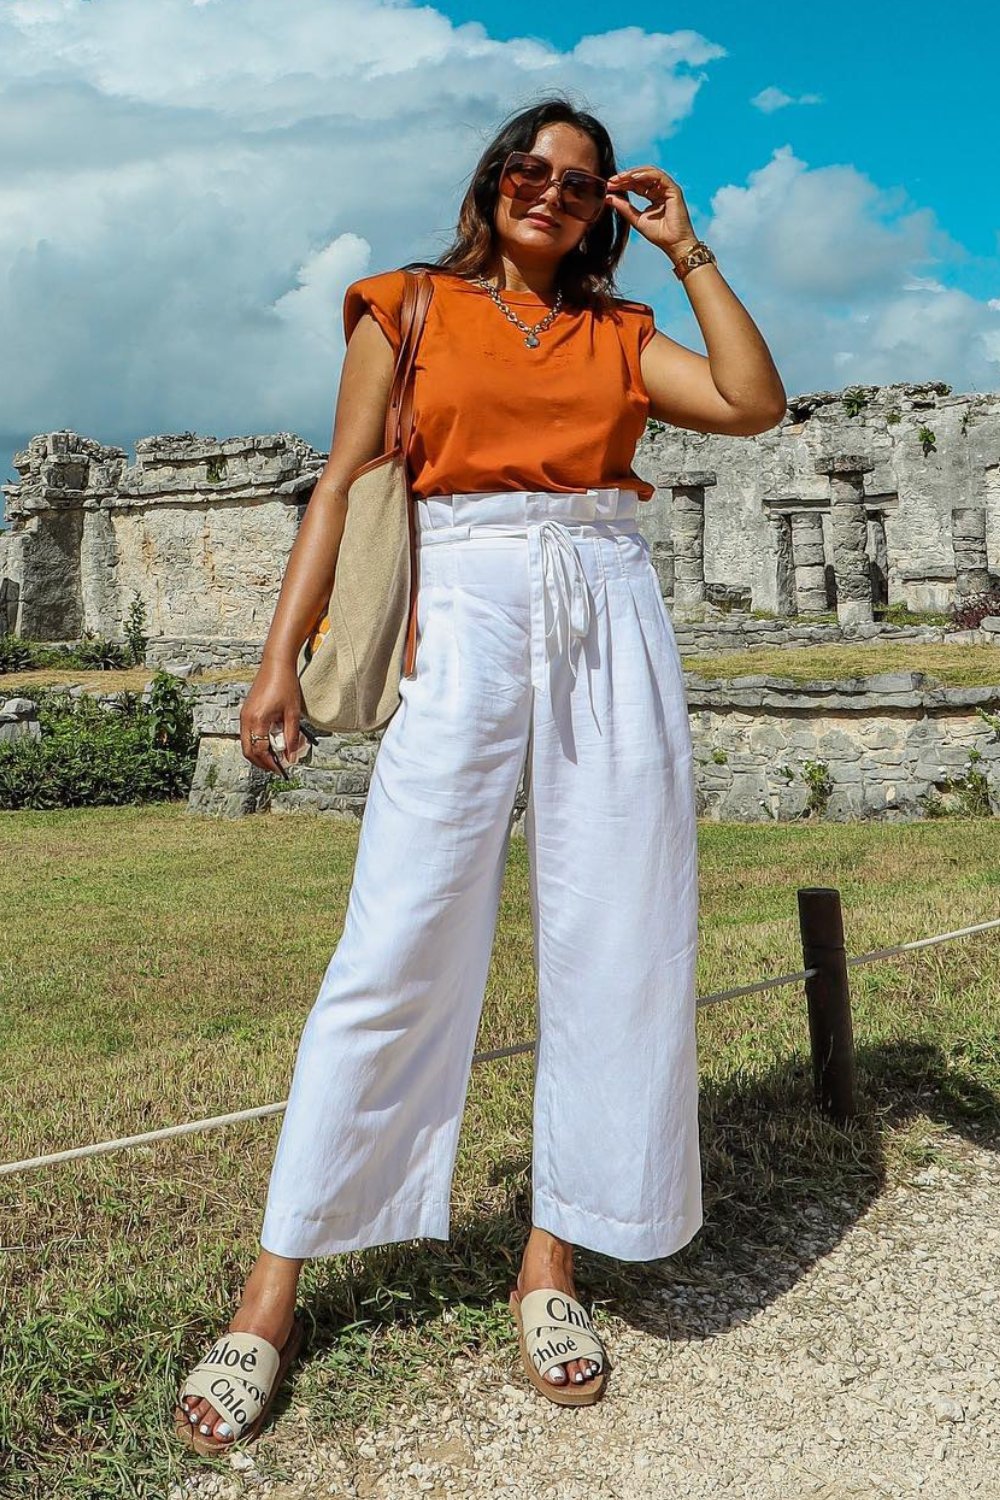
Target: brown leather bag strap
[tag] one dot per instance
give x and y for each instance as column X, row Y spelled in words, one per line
column 399, row 411
column 401, row 367
column 417, row 295
column 425, row 290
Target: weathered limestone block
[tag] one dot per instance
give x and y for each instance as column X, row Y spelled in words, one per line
column 809, row 561
column 688, row 488
column 746, row 799
column 51, row 596
column 60, row 473
column 19, row 720
column 837, row 744
column 225, row 784
column 968, row 527
column 662, row 558
column 846, row 803
column 784, row 566
column 878, row 557
column 849, row 533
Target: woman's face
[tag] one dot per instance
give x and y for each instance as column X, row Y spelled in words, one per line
column 563, row 146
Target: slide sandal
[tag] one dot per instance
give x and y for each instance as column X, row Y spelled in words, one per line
column 554, row 1328
column 240, row 1376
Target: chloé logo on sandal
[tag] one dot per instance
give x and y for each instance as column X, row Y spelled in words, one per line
column 561, row 1311
column 560, row 1347
column 225, row 1354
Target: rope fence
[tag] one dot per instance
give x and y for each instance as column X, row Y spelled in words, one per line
column 827, row 998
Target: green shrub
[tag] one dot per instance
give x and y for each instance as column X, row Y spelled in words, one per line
column 972, row 792
column 93, row 652
column 96, row 653
column 816, row 775
column 135, row 622
column 899, row 613
column 15, row 654
column 92, row 753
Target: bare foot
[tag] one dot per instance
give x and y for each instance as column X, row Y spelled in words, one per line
column 267, row 1308
column 548, row 1262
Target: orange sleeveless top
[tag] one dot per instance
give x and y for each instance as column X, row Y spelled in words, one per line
column 492, row 414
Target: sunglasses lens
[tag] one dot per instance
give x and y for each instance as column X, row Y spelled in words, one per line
column 582, row 195
column 526, row 178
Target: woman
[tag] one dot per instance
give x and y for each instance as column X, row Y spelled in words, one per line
column 543, row 636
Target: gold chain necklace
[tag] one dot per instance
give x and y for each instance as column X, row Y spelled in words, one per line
column 532, row 341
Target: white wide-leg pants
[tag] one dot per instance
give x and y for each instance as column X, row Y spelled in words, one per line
column 542, row 634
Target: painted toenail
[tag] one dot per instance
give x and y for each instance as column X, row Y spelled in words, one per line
column 557, row 1374
column 205, row 1427
column 192, row 1416
column 224, row 1430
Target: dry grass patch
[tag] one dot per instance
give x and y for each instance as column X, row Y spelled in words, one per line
column 116, row 680
column 951, row 666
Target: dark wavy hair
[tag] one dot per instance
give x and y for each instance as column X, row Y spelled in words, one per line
column 586, row 280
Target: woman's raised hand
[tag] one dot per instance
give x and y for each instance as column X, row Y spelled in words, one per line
column 665, row 222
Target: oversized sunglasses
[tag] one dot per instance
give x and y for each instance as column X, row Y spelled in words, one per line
column 526, row 177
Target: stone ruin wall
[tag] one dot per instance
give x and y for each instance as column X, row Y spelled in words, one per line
column 899, row 502
column 200, row 529
column 890, row 743
column 892, row 747
column 766, row 523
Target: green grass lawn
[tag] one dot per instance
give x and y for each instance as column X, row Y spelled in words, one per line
column 954, row 666
column 951, row 666
column 158, row 967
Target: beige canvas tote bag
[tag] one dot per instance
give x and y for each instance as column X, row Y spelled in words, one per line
column 349, row 667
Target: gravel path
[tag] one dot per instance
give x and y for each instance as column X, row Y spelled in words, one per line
column 874, row 1372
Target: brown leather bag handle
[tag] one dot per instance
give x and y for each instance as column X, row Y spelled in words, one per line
column 417, row 295
column 399, row 411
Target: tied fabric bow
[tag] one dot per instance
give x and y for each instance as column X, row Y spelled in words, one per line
column 566, row 598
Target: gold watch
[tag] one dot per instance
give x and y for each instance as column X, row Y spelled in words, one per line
column 698, row 255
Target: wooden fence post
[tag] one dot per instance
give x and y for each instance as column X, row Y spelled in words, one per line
column 828, row 997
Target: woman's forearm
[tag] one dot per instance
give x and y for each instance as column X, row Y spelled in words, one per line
column 742, row 368
column 358, row 437
column 309, row 574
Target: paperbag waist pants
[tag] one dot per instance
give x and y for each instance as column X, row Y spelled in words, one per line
column 543, row 642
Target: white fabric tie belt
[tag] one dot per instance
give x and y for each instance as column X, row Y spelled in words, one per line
column 565, row 598
column 562, row 604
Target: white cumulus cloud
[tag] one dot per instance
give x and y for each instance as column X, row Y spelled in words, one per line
column 186, row 189
column 817, row 253
column 770, row 99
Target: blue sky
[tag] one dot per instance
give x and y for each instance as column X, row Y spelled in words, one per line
column 904, row 96
column 180, row 219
